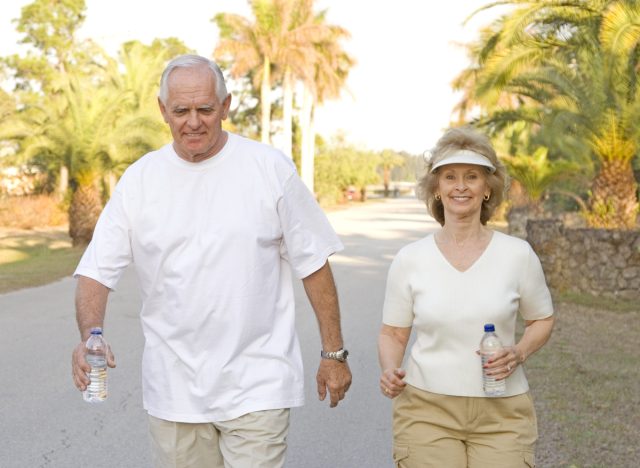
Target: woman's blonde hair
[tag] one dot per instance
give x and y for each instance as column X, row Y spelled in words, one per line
column 463, row 138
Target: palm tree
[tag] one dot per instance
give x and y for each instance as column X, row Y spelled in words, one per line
column 568, row 68
column 288, row 42
column 388, row 160
column 86, row 129
column 278, row 36
column 330, row 71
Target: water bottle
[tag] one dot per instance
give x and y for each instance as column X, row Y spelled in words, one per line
column 97, row 358
column 489, row 345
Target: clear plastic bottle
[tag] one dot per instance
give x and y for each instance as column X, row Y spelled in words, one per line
column 489, row 345
column 97, row 358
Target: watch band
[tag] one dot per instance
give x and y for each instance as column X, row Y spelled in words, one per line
column 340, row 355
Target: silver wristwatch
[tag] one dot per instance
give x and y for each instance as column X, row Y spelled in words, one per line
column 340, row 355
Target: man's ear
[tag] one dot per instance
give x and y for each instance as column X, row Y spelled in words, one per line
column 163, row 110
column 226, row 105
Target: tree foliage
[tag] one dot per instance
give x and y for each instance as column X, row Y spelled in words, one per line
column 78, row 111
column 568, row 70
column 340, row 166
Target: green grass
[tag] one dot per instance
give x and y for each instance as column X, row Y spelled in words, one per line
column 586, row 386
column 35, row 258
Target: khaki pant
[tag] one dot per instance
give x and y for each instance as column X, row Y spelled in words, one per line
column 433, row 430
column 254, row 440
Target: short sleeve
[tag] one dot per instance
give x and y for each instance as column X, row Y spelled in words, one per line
column 109, row 252
column 398, row 300
column 535, row 298
column 309, row 238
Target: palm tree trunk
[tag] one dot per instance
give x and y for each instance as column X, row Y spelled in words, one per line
column 306, row 150
column 613, row 203
column 63, row 183
column 386, row 178
column 84, row 211
column 265, row 100
column 287, row 111
column 112, row 180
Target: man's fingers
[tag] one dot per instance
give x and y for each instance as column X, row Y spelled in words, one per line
column 336, row 396
column 111, row 360
column 80, row 367
column 322, row 391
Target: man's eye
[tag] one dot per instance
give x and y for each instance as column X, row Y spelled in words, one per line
column 179, row 111
column 206, row 111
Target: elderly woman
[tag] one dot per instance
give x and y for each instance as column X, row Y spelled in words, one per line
column 447, row 286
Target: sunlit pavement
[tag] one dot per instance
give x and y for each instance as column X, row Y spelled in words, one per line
column 45, row 423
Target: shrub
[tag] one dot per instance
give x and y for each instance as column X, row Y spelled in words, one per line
column 32, row 211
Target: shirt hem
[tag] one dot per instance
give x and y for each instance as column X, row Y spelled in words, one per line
column 319, row 262
column 94, row 275
column 220, row 416
column 520, row 390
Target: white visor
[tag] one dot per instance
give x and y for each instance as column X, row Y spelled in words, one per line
column 465, row 157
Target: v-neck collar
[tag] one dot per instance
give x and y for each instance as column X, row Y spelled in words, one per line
column 477, row 260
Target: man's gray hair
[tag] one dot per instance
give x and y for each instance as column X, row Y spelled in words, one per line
column 190, row 61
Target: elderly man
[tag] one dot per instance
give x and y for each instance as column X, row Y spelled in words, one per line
column 216, row 225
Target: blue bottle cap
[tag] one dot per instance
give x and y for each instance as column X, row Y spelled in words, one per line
column 488, row 327
column 96, row 331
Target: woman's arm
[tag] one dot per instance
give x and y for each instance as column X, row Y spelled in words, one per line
column 536, row 334
column 392, row 343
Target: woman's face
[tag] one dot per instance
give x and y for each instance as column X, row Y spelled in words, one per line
column 462, row 188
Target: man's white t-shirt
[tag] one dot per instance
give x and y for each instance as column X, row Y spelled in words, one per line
column 215, row 245
column 448, row 309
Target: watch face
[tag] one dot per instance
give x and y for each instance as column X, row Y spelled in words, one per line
column 342, row 355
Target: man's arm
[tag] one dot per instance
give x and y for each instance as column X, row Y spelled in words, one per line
column 91, row 304
column 333, row 375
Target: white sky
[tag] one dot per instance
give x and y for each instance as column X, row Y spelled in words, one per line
column 399, row 93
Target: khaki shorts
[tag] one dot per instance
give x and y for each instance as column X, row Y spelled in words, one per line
column 255, row 440
column 433, row 430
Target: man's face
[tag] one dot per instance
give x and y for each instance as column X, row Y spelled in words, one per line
column 194, row 113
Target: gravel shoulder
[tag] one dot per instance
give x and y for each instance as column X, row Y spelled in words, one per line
column 586, row 387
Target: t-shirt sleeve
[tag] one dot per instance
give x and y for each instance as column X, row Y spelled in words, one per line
column 309, row 239
column 109, row 252
column 398, row 300
column 535, row 298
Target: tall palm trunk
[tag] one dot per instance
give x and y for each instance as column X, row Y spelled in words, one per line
column 386, row 180
column 265, row 100
column 287, row 112
column 63, row 183
column 86, row 205
column 307, row 143
column 613, row 203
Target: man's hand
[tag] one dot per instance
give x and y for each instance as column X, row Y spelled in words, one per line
column 335, row 376
column 80, row 367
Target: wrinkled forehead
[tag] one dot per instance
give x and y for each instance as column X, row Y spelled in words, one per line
column 192, row 85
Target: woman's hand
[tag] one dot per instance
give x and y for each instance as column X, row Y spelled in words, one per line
column 504, row 362
column 391, row 345
column 391, row 383
column 536, row 334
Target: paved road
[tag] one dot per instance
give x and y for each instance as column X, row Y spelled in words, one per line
column 45, row 423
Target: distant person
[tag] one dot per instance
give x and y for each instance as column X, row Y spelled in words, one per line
column 216, row 226
column 447, row 286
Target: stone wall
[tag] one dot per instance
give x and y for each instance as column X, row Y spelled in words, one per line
column 599, row 262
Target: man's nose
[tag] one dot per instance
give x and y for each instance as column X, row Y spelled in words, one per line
column 194, row 119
